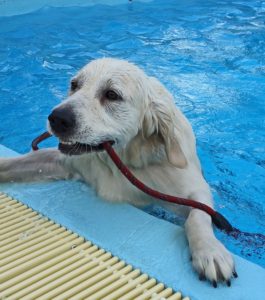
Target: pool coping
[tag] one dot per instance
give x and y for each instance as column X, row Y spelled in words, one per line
column 157, row 247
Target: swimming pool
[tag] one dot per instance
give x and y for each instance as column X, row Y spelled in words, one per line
column 210, row 55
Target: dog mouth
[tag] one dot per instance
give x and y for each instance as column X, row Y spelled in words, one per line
column 76, row 148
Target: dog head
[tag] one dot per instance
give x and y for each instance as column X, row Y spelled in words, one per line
column 113, row 100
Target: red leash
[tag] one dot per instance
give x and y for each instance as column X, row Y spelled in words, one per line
column 254, row 240
column 217, row 218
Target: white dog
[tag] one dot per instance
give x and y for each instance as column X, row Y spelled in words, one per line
column 113, row 100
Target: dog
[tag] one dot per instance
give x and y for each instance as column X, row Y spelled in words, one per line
column 114, row 100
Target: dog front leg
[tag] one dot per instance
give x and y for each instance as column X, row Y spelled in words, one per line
column 46, row 164
column 209, row 256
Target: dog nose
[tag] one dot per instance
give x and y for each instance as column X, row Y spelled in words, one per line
column 62, row 120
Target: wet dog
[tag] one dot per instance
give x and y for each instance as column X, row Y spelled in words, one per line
column 113, row 100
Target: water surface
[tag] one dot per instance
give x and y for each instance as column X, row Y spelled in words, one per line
column 209, row 54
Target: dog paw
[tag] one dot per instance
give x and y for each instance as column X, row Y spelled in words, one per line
column 213, row 262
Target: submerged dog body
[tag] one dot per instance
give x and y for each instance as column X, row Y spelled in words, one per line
column 113, row 100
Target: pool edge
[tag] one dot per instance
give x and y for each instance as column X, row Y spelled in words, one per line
column 118, row 228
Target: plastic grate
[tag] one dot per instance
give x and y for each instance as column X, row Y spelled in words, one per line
column 40, row 259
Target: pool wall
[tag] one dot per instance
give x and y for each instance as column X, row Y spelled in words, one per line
column 157, row 247
column 18, row 7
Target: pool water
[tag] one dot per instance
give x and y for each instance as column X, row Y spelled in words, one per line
column 209, row 54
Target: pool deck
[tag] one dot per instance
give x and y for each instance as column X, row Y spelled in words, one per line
column 157, row 247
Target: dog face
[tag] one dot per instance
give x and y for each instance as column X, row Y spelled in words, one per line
column 113, row 100
column 106, row 102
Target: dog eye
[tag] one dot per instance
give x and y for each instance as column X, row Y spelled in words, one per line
column 74, row 85
column 111, row 95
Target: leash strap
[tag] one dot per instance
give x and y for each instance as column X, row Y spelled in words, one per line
column 219, row 220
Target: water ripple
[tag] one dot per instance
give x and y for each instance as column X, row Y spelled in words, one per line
column 210, row 55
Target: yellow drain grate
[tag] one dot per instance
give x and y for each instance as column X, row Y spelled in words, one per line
column 40, row 259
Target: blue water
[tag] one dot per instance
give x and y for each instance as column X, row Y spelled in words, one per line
column 210, row 55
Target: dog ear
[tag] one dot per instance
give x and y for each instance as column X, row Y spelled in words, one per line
column 160, row 119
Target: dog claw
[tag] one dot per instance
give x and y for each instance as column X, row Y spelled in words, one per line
column 235, row 274
column 214, row 283
column 228, row 282
column 202, row 277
